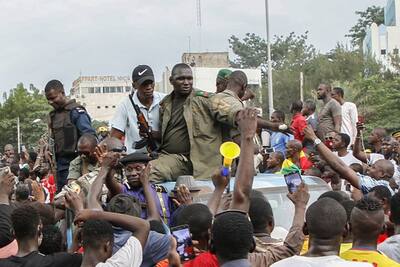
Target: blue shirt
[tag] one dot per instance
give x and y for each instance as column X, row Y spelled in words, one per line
column 279, row 141
column 367, row 183
column 138, row 193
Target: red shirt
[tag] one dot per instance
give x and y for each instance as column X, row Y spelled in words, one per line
column 205, row 259
column 297, row 126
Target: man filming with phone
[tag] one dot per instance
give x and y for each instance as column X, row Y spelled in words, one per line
column 125, row 123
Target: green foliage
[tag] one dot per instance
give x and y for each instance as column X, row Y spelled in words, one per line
column 29, row 105
column 377, row 98
column 293, row 54
column 366, row 18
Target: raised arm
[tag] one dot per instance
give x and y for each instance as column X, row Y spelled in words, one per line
column 335, row 162
column 357, row 148
column 107, row 161
column 152, row 212
column 139, row 227
column 220, row 182
column 247, row 122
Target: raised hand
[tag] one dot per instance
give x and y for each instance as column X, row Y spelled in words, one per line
column 301, row 196
column 220, row 181
column 247, row 122
column 309, row 133
column 73, row 201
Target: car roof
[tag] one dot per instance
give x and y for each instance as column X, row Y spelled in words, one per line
column 261, row 181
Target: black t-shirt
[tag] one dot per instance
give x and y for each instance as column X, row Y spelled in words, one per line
column 36, row 259
column 5, row 225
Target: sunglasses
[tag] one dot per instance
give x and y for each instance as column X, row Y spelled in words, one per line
column 119, row 150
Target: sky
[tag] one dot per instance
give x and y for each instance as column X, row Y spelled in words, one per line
column 42, row 40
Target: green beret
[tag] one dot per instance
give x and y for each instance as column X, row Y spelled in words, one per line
column 224, row 73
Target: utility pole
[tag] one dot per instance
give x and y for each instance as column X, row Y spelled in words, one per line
column 18, row 136
column 270, row 89
column 301, row 86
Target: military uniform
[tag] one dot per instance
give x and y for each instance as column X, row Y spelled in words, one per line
column 228, row 102
column 204, row 118
column 67, row 125
column 79, row 167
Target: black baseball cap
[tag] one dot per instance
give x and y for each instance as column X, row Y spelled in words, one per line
column 142, row 73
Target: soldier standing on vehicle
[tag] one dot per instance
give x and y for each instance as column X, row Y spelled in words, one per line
column 68, row 121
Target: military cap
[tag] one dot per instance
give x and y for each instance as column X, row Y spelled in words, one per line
column 396, row 134
column 224, row 73
column 137, row 157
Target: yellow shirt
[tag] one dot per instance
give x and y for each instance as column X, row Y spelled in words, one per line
column 345, row 247
column 371, row 256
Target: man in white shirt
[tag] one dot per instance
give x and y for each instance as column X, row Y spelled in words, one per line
column 325, row 220
column 349, row 114
column 98, row 239
column 124, row 124
column 340, row 144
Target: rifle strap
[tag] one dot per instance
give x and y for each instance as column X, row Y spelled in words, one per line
column 132, row 102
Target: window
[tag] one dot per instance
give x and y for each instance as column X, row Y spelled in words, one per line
column 113, row 106
column 396, row 51
column 97, row 90
column 383, row 52
column 90, row 90
column 106, row 89
column 112, row 89
column 98, row 107
column 119, row 89
column 106, row 106
column 127, row 88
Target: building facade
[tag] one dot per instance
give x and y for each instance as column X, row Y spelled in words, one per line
column 100, row 95
column 383, row 41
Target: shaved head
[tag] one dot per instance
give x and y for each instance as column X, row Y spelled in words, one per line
column 178, row 67
column 386, row 166
column 326, row 219
column 111, row 143
column 296, row 144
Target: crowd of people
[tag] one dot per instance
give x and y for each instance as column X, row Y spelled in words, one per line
column 83, row 197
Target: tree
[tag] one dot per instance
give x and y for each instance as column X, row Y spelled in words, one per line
column 289, row 54
column 377, row 99
column 366, row 18
column 29, row 105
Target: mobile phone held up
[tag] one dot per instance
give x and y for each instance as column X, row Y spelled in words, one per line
column 184, row 244
column 293, row 180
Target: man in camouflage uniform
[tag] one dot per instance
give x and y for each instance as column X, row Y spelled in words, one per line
column 191, row 129
column 231, row 101
column 86, row 161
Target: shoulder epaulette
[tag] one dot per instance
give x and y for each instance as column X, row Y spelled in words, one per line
column 80, row 109
column 160, row 188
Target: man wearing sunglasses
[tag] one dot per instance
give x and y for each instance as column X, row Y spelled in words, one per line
column 82, row 183
column 86, row 161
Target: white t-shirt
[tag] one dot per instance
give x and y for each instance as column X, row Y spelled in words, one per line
column 325, row 261
column 349, row 120
column 374, row 157
column 349, row 158
column 125, row 119
column 130, row 255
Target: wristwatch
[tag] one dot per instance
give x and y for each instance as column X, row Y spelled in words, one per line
column 317, row 142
